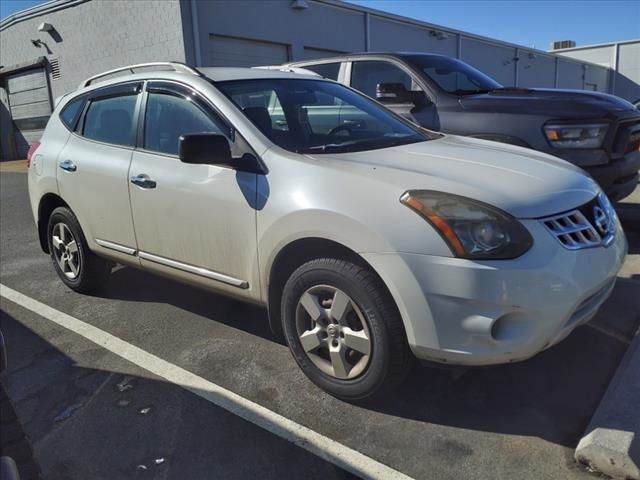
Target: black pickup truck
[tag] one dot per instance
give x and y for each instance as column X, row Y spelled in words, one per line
column 596, row 131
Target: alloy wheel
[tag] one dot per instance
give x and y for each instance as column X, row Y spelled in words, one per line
column 333, row 332
column 65, row 250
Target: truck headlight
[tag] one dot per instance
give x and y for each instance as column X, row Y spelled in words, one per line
column 472, row 229
column 576, row 136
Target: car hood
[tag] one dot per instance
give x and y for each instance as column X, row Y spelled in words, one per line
column 557, row 104
column 520, row 181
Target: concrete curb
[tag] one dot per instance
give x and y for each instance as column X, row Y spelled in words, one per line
column 611, row 444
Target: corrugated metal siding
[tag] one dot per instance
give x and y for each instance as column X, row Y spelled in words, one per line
column 388, row 35
column 628, row 79
column 536, row 71
column 570, row 74
column 495, row 60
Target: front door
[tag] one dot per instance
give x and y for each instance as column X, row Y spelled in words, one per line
column 196, row 221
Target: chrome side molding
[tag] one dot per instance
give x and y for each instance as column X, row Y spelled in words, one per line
column 203, row 272
column 116, row 246
column 185, row 267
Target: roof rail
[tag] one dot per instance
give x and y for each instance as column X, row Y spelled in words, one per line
column 177, row 67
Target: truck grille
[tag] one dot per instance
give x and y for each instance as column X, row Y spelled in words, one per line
column 627, row 138
column 591, row 225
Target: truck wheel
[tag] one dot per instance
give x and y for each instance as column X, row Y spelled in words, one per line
column 13, row 441
column 77, row 266
column 344, row 330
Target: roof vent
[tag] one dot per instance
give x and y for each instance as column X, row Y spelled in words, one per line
column 55, row 68
column 563, row 44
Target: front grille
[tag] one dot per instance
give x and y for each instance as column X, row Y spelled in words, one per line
column 626, row 138
column 591, row 225
column 573, row 230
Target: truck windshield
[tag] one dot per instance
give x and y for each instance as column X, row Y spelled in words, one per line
column 316, row 116
column 454, row 76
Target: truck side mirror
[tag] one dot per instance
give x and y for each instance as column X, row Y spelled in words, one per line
column 398, row 93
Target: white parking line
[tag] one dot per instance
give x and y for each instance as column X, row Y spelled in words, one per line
column 314, row 442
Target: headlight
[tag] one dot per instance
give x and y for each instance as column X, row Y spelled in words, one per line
column 576, row 136
column 472, row 229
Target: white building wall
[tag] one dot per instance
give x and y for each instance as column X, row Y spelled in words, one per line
column 96, row 36
column 623, row 60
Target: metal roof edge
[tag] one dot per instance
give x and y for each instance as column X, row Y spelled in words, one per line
column 36, row 11
column 596, row 45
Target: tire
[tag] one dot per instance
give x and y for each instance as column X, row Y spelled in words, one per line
column 13, row 441
column 91, row 272
column 362, row 373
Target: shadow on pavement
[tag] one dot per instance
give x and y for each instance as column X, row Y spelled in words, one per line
column 93, row 415
column 551, row 396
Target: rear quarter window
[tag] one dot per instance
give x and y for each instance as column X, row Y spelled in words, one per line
column 70, row 113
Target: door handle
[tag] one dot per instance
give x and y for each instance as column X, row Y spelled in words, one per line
column 143, row 181
column 68, row 166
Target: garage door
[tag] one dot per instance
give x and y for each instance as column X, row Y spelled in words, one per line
column 30, row 105
column 242, row 52
column 313, row 53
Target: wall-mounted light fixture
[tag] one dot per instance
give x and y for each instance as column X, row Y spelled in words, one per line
column 439, row 35
column 45, row 27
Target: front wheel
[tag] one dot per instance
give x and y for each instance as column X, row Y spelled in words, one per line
column 77, row 266
column 344, row 330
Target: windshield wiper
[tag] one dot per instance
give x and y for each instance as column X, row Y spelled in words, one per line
column 471, row 92
column 358, row 145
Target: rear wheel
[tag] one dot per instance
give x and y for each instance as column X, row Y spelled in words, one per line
column 344, row 329
column 77, row 266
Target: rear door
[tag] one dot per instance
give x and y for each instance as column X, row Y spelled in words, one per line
column 93, row 166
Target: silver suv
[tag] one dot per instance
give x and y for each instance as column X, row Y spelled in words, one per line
column 371, row 241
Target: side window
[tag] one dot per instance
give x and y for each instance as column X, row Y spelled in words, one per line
column 326, row 70
column 110, row 120
column 168, row 117
column 366, row 75
column 71, row 112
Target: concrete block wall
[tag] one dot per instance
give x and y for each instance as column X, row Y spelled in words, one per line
column 98, row 35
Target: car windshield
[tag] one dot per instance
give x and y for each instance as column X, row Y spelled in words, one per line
column 454, row 76
column 315, row 116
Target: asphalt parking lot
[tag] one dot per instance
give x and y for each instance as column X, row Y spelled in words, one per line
column 92, row 414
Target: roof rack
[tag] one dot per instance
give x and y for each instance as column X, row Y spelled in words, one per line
column 177, row 67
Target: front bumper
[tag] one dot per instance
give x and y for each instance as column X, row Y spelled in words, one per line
column 491, row 312
column 619, row 178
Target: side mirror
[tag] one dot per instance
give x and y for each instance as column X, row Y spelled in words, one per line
column 205, row 149
column 398, row 93
column 214, row 149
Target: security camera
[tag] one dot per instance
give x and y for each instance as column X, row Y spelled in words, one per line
column 45, row 27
